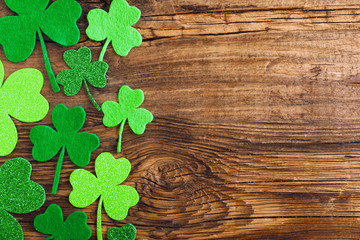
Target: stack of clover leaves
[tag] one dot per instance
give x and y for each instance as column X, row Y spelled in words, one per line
column 20, row 98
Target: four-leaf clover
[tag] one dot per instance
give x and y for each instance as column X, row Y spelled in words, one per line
column 52, row 223
column 20, row 98
column 18, row 194
column 115, row 27
column 127, row 109
column 79, row 145
column 117, row 199
column 82, row 70
column 58, row 22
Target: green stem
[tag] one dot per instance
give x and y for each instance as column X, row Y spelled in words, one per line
column 91, row 97
column 120, row 135
column 98, row 222
column 103, row 50
column 49, row 70
column 58, row 171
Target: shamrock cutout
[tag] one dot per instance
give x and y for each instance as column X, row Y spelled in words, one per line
column 52, row 223
column 82, row 70
column 127, row 109
column 58, row 22
column 79, row 145
column 126, row 232
column 18, row 194
column 20, row 98
column 115, row 27
column 110, row 173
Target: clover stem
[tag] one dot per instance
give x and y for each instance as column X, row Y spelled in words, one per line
column 98, row 222
column 103, row 50
column 91, row 97
column 120, row 135
column 49, row 70
column 58, row 171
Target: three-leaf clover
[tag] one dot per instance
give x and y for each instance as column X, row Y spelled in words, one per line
column 115, row 27
column 18, row 194
column 52, row 223
column 58, row 22
column 20, row 98
column 82, row 70
column 79, row 145
column 126, row 232
column 117, row 199
column 127, row 109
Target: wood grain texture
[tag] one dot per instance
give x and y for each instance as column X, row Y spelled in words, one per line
column 257, row 120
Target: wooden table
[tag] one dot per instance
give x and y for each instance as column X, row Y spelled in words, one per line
column 257, row 120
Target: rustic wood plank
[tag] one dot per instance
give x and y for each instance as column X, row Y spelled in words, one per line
column 256, row 131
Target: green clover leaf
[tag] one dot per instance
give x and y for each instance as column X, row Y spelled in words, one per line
column 126, row 232
column 18, row 194
column 82, row 70
column 20, row 98
column 48, row 142
column 52, row 223
column 127, row 109
column 115, row 27
column 110, row 173
column 58, row 22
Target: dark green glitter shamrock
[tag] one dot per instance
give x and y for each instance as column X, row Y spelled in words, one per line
column 18, row 194
column 126, row 232
column 82, row 70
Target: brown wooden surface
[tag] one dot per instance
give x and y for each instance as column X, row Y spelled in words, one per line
column 257, row 120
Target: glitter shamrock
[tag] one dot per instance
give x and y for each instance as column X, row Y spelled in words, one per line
column 20, row 98
column 82, row 70
column 117, row 199
column 18, row 194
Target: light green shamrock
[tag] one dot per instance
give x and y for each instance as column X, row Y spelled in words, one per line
column 117, row 199
column 127, row 110
column 20, row 98
column 115, row 27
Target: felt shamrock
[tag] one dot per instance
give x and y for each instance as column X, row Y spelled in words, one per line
column 20, row 98
column 117, row 199
column 58, row 22
column 79, row 145
column 115, row 27
column 18, row 194
column 126, row 232
column 127, row 109
column 52, row 223
column 82, row 70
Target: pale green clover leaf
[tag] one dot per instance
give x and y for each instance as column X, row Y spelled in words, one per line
column 115, row 27
column 18, row 194
column 110, row 172
column 20, row 98
column 127, row 110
